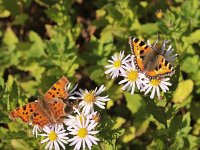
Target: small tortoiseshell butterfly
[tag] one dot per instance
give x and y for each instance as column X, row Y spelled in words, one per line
column 149, row 59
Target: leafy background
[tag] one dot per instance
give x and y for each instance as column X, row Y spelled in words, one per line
column 43, row 40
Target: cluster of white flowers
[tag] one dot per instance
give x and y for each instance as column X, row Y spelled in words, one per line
column 125, row 67
column 79, row 128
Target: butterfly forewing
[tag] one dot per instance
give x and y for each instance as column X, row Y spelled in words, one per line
column 141, row 51
column 58, row 90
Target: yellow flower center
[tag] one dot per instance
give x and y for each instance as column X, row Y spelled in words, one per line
column 132, row 75
column 89, row 97
column 53, row 136
column 117, row 64
column 155, row 82
column 159, row 14
column 82, row 132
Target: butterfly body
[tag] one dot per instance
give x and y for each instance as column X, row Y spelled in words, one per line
column 49, row 109
column 149, row 60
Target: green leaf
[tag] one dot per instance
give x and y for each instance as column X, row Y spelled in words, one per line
column 20, row 144
column 157, row 144
column 190, row 61
column 171, row 111
column 134, row 102
column 193, row 142
column 4, row 117
column 34, row 68
column 12, row 5
column 157, row 112
column 193, row 37
column 38, row 45
column 183, row 90
column 114, row 12
column 180, row 125
column 148, row 28
column 9, row 37
column 55, row 15
column 4, row 13
column 177, row 145
column 129, row 134
column 119, row 122
column 14, row 95
column 195, row 107
column 20, row 19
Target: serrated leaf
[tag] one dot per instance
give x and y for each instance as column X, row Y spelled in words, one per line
column 171, row 111
column 4, row 117
column 177, row 145
column 14, row 94
column 180, row 125
column 34, row 68
column 38, row 45
column 193, row 142
column 3, row 131
column 157, row 144
column 157, row 112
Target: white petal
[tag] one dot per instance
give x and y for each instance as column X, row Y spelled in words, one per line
column 45, row 140
column 153, row 93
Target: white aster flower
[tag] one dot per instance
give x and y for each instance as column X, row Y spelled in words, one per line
column 35, row 130
column 132, row 78
column 56, row 135
column 72, row 120
column 155, row 85
column 91, row 98
column 83, row 134
column 117, row 64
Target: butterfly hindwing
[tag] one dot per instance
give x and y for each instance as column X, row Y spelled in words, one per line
column 57, row 107
column 163, row 68
column 40, row 118
column 58, row 90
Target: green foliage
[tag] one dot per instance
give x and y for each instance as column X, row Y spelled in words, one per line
column 43, row 40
